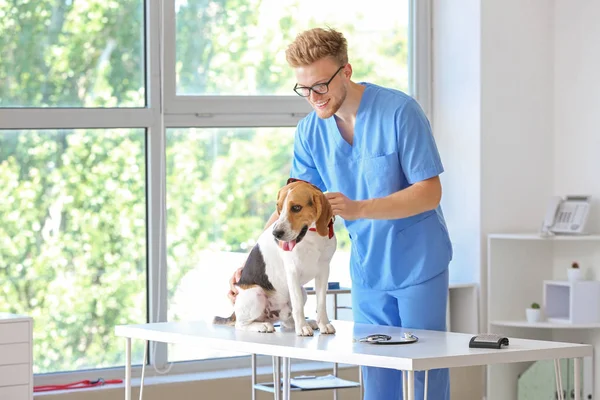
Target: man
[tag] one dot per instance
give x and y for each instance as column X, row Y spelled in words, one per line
column 371, row 149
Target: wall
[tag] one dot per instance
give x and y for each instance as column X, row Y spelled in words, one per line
column 577, row 101
column 516, row 118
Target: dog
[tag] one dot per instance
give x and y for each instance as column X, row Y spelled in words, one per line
column 295, row 249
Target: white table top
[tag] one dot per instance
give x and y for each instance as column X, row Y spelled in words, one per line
column 433, row 350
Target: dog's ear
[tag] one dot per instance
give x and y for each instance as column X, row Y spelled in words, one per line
column 324, row 213
column 281, row 198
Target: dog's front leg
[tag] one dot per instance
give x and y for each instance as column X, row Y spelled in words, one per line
column 297, row 299
column 321, row 281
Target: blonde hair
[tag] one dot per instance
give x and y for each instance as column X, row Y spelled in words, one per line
column 315, row 44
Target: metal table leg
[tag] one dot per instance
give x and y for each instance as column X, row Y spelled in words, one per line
column 360, row 381
column 577, row 373
column 558, row 379
column 411, row 385
column 276, row 378
column 128, row 369
column 286, row 378
column 335, row 365
column 253, row 362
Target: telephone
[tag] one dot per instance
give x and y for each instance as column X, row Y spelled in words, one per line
column 566, row 215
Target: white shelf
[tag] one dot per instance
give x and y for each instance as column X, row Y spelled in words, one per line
column 544, row 325
column 330, row 383
column 537, row 236
column 522, row 267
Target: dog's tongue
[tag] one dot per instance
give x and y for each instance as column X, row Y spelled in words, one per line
column 288, row 246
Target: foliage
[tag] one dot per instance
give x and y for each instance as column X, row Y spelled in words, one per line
column 535, row 306
column 73, row 234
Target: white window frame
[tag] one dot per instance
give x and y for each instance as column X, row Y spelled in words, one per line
column 166, row 110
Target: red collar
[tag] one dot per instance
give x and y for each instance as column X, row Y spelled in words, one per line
column 330, row 229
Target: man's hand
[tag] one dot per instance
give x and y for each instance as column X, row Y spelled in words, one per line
column 234, row 279
column 343, row 206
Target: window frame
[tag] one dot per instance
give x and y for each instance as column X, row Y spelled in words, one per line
column 164, row 109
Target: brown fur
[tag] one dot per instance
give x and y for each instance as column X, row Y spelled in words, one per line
column 324, row 212
column 315, row 206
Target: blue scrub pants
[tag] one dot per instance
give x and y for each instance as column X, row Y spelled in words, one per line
column 421, row 306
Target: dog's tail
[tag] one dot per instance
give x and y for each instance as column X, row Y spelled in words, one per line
column 225, row 321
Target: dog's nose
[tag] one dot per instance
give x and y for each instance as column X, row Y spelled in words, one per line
column 278, row 233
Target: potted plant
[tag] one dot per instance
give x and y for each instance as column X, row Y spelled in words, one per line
column 534, row 313
column 574, row 273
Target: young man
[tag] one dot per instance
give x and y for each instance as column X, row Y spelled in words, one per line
column 371, row 149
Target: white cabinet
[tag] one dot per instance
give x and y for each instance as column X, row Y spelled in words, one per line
column 528, row 268
column 16, row 359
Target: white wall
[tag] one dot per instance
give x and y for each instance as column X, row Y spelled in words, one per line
column 577, row 101
column 516, row 118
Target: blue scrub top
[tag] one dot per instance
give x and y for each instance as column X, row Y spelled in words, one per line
column 393, row 147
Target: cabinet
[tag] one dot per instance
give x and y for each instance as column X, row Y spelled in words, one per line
column 16, row 360
column 520, row 270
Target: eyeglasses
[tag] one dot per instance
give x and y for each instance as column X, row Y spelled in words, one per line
column 320, row 88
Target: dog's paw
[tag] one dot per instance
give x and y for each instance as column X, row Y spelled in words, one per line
column 326, row 328
column 266, row 327
column 313, row 324
column 305, row 330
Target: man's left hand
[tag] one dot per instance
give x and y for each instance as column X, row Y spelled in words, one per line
column 343, row 206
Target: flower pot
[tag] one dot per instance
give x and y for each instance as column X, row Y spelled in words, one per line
column 574, row 274
column 533, row 315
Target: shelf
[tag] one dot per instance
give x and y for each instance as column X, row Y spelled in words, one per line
column 341, row 290
column 537, row 236
column 544, row 325
column 320, row 383
column 268, row 387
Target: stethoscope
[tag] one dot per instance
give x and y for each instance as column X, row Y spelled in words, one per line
column 379, row 338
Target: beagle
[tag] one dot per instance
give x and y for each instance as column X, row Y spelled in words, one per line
column 295, row 249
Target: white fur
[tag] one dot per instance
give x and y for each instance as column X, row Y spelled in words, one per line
column 288, row 272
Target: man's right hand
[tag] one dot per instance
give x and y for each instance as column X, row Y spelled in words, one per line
column 232, row 289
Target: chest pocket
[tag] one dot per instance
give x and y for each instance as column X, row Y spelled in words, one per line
column 383, row 175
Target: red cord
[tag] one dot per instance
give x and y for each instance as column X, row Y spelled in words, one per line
column 77, row 385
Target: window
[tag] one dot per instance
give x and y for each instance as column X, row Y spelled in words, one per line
column 141, row 145
column 72, row 54
column 215, row 57
column 73, row 235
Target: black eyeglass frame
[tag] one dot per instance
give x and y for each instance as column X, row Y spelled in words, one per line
column 312, row 88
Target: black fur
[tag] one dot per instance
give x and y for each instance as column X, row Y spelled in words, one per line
column 254, row 272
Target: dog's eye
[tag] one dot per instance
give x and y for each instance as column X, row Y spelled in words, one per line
column 296, row 208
